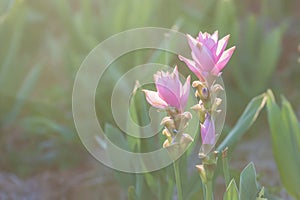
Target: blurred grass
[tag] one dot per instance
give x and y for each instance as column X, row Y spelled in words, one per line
column 44, row 42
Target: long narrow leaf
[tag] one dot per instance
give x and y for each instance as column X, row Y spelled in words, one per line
column 285, row 142
column 231, row 192
column 248, row 185
column 245, row 121
column 23, row 94
column 117, row 137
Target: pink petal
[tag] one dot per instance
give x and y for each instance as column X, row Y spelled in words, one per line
column 168, row 88
column 223, row 60
column 209, row 43
column 214, row 50
column 221, row 46
column 205, row 58
column 208, row 131
column 201, row 54
column 185, row 93
column 153, row 99
column 200, row 37
column 192, row 66
column 175, row 71
column 205, row 35
column 193, row 43
column 175, row 76
column 215, row 36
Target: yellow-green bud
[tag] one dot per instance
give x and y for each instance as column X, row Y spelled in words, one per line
column 202, row 90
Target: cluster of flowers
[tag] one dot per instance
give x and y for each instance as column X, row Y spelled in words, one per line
column 209, row 58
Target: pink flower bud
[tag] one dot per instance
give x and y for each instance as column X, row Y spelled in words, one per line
column 208, row 131
column 208, row 54
column 170, row 91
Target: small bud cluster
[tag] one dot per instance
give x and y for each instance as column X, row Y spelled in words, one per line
column 207, row 107
column 174, row 124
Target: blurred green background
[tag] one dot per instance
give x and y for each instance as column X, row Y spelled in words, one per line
column 44, row 42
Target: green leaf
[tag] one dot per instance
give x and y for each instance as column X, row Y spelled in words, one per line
column 151, row 182
column 269, row 55
column 16, row 16
column 293, row 125
column 225, row 167
column 132, row 121
column 226, row 16
column 248, row 117
column 139, row 184
column 138, row 123
column 193, row 186
column 261, row 194
column 41, row 125
column 231, row 192
column 131, row 193
column 23, row 94
column 285, row 135
column 145, row 184
column 248, row 184
column 117, row 138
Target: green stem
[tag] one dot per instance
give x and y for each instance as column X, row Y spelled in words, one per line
column 225, row 167
column 209, row 190
column 177, row 179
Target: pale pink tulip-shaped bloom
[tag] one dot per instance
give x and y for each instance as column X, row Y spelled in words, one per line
column 208, row 131
column 208, row 54
column 170, row 91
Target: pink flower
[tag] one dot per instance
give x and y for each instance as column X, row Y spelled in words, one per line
column 170, row 92
column 208, row 131
column 208, row 54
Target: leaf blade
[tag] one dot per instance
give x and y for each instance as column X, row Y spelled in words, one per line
column 285, row 143
column 248, row 117
column 248, row 184
column 231, row 192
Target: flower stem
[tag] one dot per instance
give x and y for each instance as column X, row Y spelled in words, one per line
column 177, row 179
column 209, row 190
column 225, row 166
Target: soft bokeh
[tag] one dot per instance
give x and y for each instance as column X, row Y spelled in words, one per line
column 43, row 44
